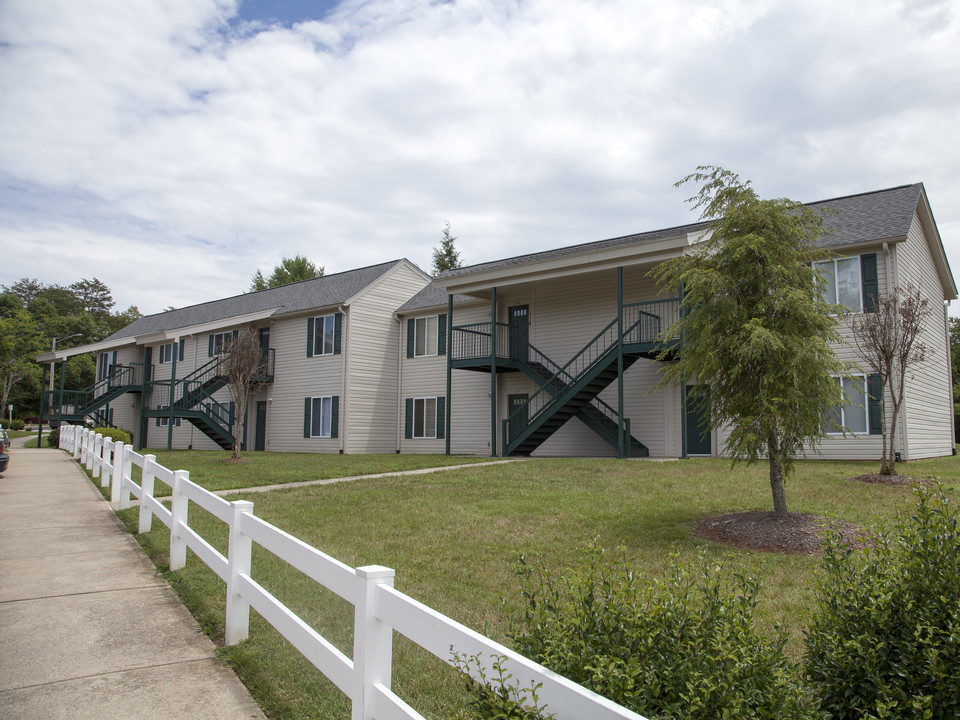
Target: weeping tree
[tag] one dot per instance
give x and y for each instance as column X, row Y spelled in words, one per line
column 888, row 342
column 755, row 327
column 245, row 368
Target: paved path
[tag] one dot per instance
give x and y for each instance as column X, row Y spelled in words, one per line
column 87, row 628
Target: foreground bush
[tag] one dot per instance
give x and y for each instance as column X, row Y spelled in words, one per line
column 885, row 638
column 114, row 433
column 684, row 647
column 53, row 438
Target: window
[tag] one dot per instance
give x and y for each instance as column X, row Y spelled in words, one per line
column 165, row 354
column 425, row 418
column 323, row 335
column 218, row 341
column 851, row 282
column 427, row 336
column 105, row 364
column 321, row 417
column 862, row 409
column 165, row 420
column 841, row 282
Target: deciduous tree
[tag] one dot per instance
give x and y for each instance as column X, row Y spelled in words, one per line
column 290, row 270
column 244, row 366
column 888, row 342
column 754, row 325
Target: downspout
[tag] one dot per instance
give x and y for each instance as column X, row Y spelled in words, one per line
column 345, row 346
column 400, row 355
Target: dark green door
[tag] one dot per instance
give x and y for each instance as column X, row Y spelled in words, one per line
column 698, row 426
column 519, row 332
column 519, row 422
column 260, row 438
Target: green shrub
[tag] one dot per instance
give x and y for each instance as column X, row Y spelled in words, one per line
column 885, row 637
column 116, row 434
column 681, row 647
column 15, row 424
column 497, row 698
column 53, row 438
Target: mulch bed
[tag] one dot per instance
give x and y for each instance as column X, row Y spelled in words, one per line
column 797, row 534
column 892, row 480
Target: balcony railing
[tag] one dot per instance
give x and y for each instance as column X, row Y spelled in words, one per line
column 473, row 341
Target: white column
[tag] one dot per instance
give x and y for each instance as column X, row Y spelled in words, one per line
column 372, row 642
column 239, row 553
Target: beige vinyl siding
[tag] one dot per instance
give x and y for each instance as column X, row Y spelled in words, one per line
column 296, row 377
column 928, row 399
column 372, row 337
column 126, row 408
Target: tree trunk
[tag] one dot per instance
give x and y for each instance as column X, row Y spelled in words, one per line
column 776, row 479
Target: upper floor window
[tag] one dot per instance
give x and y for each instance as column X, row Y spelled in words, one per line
column 165, row 353
column 851, row 281
column 324, row 334
column 427, row 336
column 221, row 340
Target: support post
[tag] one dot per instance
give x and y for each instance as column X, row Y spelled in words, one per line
column 63, row 380
column 173, row 381
column 449, row 370
column 178, row 510
column 147, row 478
column 43, row 394
column 237, row 626
column 493, row 372
column 372, row 642
column 621, row 443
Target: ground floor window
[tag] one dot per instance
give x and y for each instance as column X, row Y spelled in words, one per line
column 425, row 418
column 164, row 421
column 854, row 413
column 321, row 416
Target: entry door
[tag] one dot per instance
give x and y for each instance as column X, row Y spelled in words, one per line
column 698, row 425
column 519, row 332
column 518, row 423
column 260, row 438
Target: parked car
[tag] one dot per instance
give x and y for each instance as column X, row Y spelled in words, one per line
column 4, row 446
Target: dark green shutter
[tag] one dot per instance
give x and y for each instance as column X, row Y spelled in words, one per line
column 442, row 335
column 869, row 281
column 337, row 331
column 335, row 417
column 158, row 421
column 180, row 357
column 408, row 431
column 875, row 404
column 411, row 330
column 307, row 403
column 210, row 346
column 310, row 337
column 441, row 417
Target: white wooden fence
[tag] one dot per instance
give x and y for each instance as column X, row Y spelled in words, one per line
column 379, row 608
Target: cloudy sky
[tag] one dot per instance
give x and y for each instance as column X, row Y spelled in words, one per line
column 171, row 148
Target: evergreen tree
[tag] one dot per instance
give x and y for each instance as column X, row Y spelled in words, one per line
column 290, row 270
column 445, row 257
column 754, row 324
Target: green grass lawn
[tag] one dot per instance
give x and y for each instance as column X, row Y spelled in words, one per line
column 454, row 537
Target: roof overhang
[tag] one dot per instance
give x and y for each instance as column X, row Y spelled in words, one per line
column 479, row 283
column 99, row 347
column 935, row 242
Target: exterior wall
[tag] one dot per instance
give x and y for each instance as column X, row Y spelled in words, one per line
column 926, row 416
column 296, row 377
column 370, row 409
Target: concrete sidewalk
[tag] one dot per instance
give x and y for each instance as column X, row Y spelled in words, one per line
column 87, row 628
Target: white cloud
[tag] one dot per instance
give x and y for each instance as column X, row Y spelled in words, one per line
column 528, row 124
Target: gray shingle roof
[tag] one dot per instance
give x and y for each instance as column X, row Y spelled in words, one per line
column 296, row 297
column 866, row 217
column 432, row 296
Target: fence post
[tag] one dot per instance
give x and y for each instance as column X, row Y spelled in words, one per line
column 92, row 448
column 83, row 446
column 178, row 509
column 372, row 642
column 146, row 490
column 106, row 474
column 62, row 443
column 77, row 440
column 97, row 455
column 119, row 452
column 238, row 555
column 126, row 477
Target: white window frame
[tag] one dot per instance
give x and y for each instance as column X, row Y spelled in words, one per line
column 165, row 419
column 425, row 342
column 219, row 340
column 830, row 285
column 324, row 331
column 421, row 412
column 325, row 416
column 850, row 406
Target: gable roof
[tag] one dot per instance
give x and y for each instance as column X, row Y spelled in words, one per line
column 321, row 292
column 866, row 217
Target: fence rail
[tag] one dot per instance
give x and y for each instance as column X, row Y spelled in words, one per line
column 379, row 609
